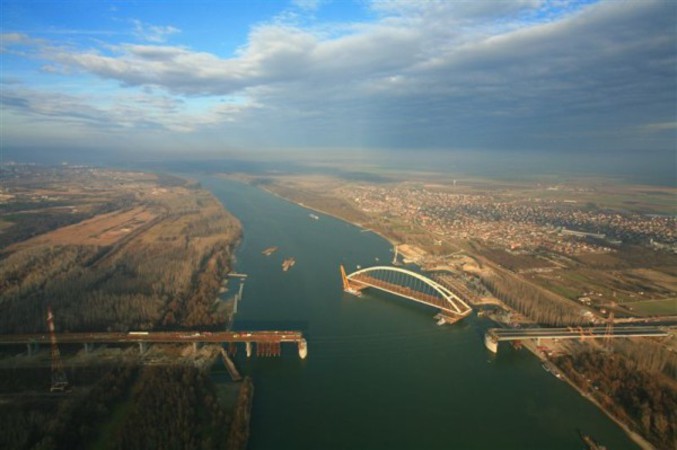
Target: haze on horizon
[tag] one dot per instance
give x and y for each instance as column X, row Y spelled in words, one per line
column 568, row 83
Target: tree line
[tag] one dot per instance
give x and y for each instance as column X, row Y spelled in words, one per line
column 533, row 302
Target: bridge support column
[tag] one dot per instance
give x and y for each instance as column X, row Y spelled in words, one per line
column 88, row 347
column 249, row 349
column 491, row 343
column 196, row 347
column 143, row 347
column 303, row 348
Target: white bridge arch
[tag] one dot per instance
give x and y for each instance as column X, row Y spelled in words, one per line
column 397, row 281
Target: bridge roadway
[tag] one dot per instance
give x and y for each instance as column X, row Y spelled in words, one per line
column 494, row 335
column 166, row 337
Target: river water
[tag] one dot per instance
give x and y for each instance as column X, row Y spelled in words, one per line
column 380, row 374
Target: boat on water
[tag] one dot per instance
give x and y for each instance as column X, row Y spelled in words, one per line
column 269, row 251
column 314, row 216
column 549, row 367
column 288, row 263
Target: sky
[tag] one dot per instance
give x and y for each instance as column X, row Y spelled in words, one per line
column 561, row 78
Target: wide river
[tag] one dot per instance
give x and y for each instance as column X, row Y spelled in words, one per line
column 380, row 374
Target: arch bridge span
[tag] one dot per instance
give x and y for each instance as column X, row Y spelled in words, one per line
column 407, row 284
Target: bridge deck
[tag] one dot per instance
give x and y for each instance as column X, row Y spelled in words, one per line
column 157, row 337
column 503, row 334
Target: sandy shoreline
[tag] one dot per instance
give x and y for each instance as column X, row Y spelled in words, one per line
column 312, row 208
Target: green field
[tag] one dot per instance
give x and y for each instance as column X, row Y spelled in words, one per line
column 665, row 307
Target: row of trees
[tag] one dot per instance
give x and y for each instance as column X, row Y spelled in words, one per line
column 533, row 302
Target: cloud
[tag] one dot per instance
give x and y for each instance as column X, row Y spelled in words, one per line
column 153, row 33
column 307, row 5
column 496, row 74
column 140, row 110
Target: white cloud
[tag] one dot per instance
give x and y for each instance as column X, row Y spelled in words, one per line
column 307, row 5
column 153, row 33
column 423, row 73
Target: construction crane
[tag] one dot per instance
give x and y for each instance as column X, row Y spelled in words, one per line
column 59, row 380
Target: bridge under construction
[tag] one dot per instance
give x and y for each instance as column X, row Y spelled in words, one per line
column 267, row 342
column 409, row 285
column 495, row 335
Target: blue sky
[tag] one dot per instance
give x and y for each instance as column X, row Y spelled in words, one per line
column 553, row 77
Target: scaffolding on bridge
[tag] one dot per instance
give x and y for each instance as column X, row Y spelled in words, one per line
column 410, row 285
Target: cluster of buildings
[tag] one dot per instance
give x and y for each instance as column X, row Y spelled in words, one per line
column 561, row 226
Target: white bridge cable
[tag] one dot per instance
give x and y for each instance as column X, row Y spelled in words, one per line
column 412, row 280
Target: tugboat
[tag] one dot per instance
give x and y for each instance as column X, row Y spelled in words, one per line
column 288, row 263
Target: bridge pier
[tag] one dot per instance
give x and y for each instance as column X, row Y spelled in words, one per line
column 143, row 347
column 249, row 349
column 491, row 343
column 303, row 348
column 88, row 347
column 196, row 346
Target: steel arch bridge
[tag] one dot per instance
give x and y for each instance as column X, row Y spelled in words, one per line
column 407, row 284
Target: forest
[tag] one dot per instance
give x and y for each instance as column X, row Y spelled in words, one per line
column 129, row 407
column 165, row 273
column 114, row 250
column 634, row 391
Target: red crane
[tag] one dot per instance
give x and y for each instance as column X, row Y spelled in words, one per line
column 59, row 380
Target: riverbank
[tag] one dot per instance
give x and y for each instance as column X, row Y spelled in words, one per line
column 335, row 216
column 359, row 341
column 639, row 440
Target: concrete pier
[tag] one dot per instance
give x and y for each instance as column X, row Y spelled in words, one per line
column 303, row 349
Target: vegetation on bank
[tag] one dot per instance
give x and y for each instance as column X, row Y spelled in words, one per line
column 535, row 303
column 630, row 390
column 162, row 407
column 165, row 272
column 111, row 250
